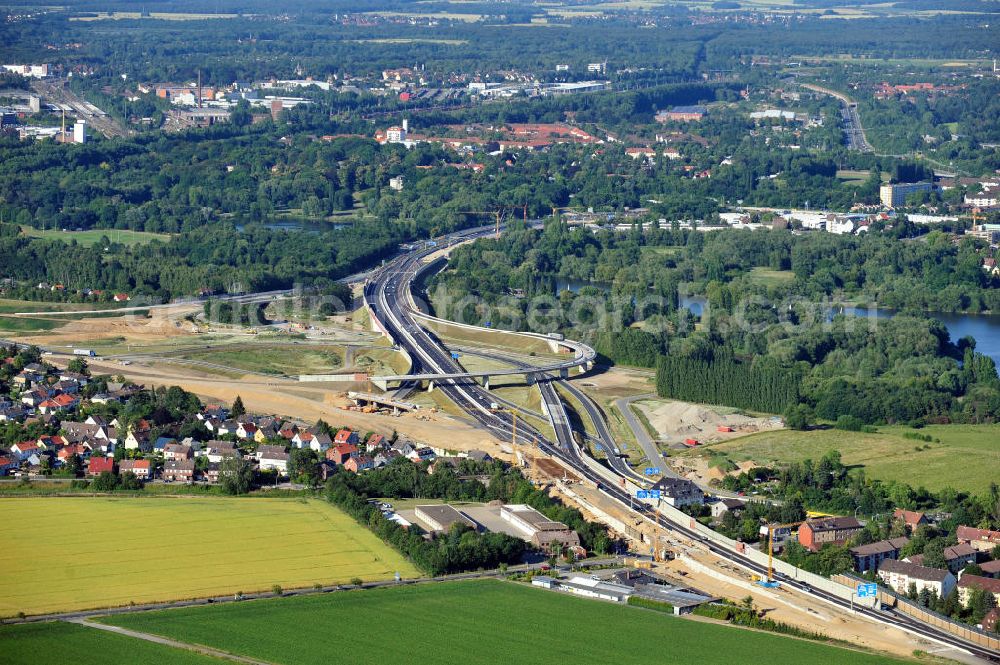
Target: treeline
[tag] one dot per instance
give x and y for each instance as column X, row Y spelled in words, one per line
column 403, row 479
column 760, row 386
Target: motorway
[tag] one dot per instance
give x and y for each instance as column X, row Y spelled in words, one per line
column 388, row 295
column 854, row 132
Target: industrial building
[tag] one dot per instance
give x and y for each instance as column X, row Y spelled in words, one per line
column 539, row 529
column 440, row 518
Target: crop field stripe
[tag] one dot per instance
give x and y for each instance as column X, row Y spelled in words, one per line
column 483, row 621
column 62, row 643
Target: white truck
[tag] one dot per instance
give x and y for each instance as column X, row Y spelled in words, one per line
column 84, row 352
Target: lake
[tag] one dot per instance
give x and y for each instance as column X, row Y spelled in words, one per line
column 983, row 328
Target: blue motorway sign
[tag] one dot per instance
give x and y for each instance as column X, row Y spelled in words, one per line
column 652, row 471
column 642, row 494
column 869, row 590
column 654, row 494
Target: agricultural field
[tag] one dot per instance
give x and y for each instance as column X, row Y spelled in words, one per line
column 886, row 455
column 93, row 236
column 61, row 643
column 101, row 552
column 485, row 621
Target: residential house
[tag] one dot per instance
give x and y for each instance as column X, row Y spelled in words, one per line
column 376, row 442
column 991, row 568
column 12, row 413
column 226, row 427
column 990, row 621
column 318, row 441
column 384, row 457
column 246, row 430
column 901, row 574
column 359, row 463
column 77, row 431
column 216, row 451
column 422, row 454
column 734, row 506
column 66, row 452
column 177, row 451
column 142, row 468
column 341, row 453
column 23, row 449
column 98, row 465
column 274, row 460
column 60, row 402
column 51, row 442
column 868, row 557
column 679, row 492
column 404, row 448
column 212, row 472
column 983, row 540
column 268, row 449
column 346, row 436
column 34, row 397
column 178, row 470
column 968, row 583
column 956, row 557
column 161, row 443
column 8, row 465
column 912, row 520
column 815, row 533
column 480, row 456
column 137, row 440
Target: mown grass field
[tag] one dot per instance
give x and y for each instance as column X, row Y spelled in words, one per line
column 63, row 643
column 93, row 236
column 76, row 553
column 967, row 458
column 483, row 621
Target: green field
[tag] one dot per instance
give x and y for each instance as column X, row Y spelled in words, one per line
column 484, row 621
column 63, row 643
column 99, row 552
column 968, row 457
column 272, row 359
column 26, row 324
column 93, row 236
column 769, row 277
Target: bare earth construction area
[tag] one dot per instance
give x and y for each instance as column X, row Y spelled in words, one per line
column 101, row 552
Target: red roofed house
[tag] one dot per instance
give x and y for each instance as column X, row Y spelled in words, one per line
column 68, row 451
column 24, row 449
column 983, row 540
column 375, row 441
column 98, row 465
column 7, row 464
column 990, row 621
column 121, row 297
column 341, row 453
column 57, row 403
column 142, row 468
column 815, row 533
column 346, row 436
column 359, row 464
column 911, row 519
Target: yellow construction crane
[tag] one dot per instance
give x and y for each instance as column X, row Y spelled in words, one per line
column 770, row 582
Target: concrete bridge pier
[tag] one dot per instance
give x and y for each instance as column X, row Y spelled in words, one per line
column 486, row 382
column 430, row 386
column 530, row 379
column 564, row 372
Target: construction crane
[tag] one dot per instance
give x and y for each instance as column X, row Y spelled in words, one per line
column 770, row 581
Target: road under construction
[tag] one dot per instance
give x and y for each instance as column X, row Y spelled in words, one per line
column 389, row 296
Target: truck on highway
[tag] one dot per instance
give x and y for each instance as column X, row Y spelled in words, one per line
column 84, row 352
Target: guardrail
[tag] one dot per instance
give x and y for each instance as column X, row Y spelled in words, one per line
column 924, row 615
